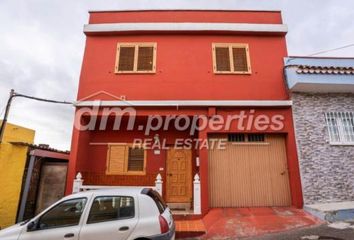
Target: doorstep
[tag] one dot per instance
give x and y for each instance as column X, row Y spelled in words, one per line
column 189, row 228
column 183, row 211
column 332, row 212
column 185, row 215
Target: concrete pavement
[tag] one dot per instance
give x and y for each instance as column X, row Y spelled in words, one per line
column 322, row 232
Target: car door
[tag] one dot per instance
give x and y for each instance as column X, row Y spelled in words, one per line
column 110, row 218
column 60, row 222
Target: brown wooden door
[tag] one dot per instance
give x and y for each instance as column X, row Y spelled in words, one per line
column 51, row 185
column 179, row 176
column 250, row 174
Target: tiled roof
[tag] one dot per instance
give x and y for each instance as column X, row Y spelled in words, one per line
column 305, row 69
column 40, row 147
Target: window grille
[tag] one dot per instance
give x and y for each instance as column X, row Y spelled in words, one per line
column 256, row 137
column 340, row 127
column 240, row 137
column 236, row 137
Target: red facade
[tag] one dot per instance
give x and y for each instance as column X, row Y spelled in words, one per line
column 184, row 72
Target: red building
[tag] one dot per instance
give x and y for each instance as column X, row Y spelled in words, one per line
column 194, row 71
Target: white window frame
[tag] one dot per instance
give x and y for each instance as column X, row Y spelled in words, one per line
column 345, row 137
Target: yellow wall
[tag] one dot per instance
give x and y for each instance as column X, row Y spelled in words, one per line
column 12, row 165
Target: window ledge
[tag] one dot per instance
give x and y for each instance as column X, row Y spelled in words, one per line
column 342, row 144
column 251, row 143
column 127, row 174
column 138, row 72
column 232, row 73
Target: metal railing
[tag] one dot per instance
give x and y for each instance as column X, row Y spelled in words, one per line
column 340, row 127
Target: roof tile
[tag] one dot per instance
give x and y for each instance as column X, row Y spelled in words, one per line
column 305, row 69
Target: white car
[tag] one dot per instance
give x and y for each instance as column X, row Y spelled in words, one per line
column 108, row 214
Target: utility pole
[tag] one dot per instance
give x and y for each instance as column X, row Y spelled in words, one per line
column 3, row 124
column 13, row 94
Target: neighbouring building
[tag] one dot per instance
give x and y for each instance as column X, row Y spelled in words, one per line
column 44, row 179
column 212, row 65
column 322, row 91
column 12, row 166
column 33, row 176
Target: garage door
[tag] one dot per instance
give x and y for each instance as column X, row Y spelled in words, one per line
column 250, row 172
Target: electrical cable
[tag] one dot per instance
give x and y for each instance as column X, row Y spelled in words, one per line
column 331, row 50
column 41, row 99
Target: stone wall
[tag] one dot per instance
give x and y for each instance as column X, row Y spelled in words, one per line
column 327, row 171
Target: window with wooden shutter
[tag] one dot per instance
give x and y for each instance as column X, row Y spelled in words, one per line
column 222, row 58
column 123, row 159
column 231, row 58
column 116, row 159
column 136, row 58
column 126, row 58
column 136, row 159
column 239, row 55
column 145, row 58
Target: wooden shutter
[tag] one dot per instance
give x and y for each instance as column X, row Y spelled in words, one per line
column 136, row 159
column 222, row 59
column 136, row 58
column 231, row 58
column 240, row 59
column 145, row 58
column 116, row 158
column 126, row 58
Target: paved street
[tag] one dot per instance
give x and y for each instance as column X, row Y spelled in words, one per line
column 340, row 231
column 311, row 233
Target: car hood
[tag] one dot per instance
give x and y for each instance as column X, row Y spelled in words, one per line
column 11, row 233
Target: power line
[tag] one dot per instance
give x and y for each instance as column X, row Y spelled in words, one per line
column 331, row 50
column 41, row 99
column 13, row 94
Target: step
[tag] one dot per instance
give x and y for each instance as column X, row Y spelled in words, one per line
column 189, row 228
column 179, row 206
column 332, row 212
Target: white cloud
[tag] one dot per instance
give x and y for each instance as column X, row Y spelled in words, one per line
column 42, row 43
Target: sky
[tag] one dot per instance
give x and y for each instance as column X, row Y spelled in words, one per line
column 42, row 45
